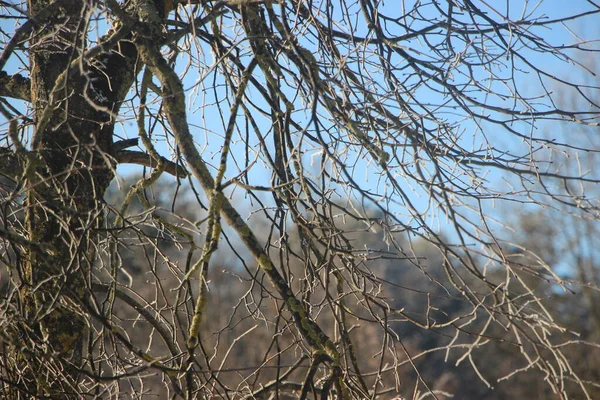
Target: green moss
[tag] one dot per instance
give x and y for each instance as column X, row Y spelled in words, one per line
column 265, row 262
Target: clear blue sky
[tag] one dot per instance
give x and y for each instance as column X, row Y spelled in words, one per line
column 207, row 126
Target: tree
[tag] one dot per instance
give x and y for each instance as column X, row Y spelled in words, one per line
column 284, row 106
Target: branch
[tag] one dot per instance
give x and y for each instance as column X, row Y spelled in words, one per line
column 11, row 165
column 17, row 239
column 174, row 102
column 141, row 309
column 141, row 158
column 23, row 31
column 123, row 156
column 15, row 86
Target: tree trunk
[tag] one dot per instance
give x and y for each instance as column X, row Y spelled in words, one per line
column 68, row 170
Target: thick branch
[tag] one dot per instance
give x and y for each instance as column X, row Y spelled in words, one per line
column 14, row 86
column 15, row 238
column 141, row 158
column 175, row 108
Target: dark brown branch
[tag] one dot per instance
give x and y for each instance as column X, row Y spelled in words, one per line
column 124, row 144
column 15, row 86
column 141, row 158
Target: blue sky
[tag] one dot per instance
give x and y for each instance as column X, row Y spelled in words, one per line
column 207, row 120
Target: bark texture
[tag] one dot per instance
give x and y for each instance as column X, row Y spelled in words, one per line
column 75, row 99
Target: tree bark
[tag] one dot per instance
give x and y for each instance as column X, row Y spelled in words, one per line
column 68, row 170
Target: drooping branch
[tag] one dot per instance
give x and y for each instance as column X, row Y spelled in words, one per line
column 176, row 115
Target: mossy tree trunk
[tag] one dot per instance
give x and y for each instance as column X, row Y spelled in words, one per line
column 69, row 166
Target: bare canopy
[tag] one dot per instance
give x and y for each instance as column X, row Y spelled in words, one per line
column 331, row 199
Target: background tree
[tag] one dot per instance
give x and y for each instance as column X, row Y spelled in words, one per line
column 349, row 135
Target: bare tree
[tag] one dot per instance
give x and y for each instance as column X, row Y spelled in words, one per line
column 346, row 132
